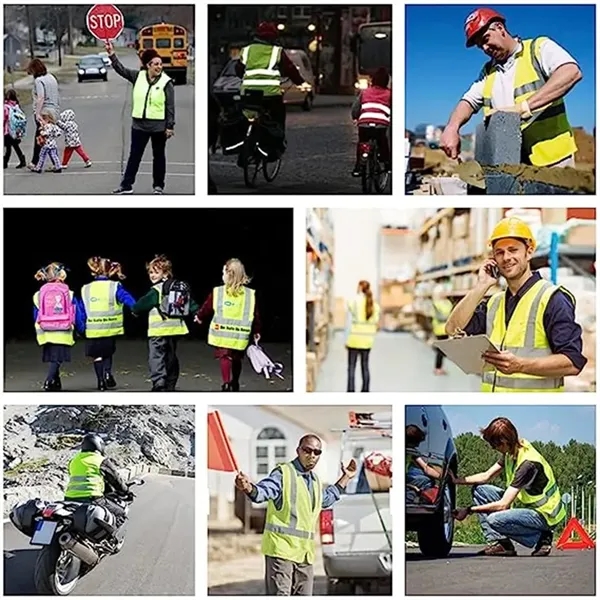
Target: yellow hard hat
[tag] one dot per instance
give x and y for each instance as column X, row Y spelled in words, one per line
column 512, row 227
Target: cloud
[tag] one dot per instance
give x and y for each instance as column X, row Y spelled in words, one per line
column 544, row 431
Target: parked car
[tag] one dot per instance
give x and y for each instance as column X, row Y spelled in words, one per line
column 42, row 50
column 91, row 67
column 430, row 501
column 105, row 58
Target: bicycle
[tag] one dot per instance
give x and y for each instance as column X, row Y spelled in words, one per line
column 374, row 173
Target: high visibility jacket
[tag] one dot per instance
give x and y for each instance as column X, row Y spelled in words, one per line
column 232, row 320
column 547, row 135
column 262, row 70
column 549, row 503
column 160, row 325
column 85, row 477
column 64, row 338
column 149, row 101
column 525, row 336
column 290, row 531
column 376, row 106
column 104, row 314
column 441, row 311
column 361, row 335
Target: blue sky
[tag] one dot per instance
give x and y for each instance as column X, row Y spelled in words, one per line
column 439, row 68
column 536, row 422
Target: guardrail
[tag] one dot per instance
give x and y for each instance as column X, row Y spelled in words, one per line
column 176, row 472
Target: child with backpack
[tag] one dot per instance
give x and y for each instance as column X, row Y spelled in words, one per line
column 103, row 300
column 15, row 127
column 68, row 124
column 57, row 314
column 168, row 303
column 49, row 133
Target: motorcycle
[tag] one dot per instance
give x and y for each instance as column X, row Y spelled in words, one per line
column 74, row 537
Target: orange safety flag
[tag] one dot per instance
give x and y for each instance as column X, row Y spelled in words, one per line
column 220, row 453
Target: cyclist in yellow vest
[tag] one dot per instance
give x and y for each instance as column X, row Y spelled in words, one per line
column 532, row 323
column 164, row 332
column 103, row 300
column 152, row 116
column 442, row 307
column 529, row 480
column 529, row 77
column 91, row 475
column 295, row 497
column 363, row 322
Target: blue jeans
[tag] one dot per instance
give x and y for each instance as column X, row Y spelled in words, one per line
column 523, row 525
column 416, row 476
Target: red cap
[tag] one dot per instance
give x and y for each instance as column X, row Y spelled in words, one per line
column 479, row 20
column 267, row 30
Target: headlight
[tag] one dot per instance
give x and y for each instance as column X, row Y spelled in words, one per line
column 81, row 72
column 102, row 70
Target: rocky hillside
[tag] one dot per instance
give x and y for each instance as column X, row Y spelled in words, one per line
column 40, row 440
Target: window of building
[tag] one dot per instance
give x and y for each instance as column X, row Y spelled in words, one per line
column 270, row 449
column 302, row 12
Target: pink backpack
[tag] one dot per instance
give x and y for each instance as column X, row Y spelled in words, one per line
column 56, row 311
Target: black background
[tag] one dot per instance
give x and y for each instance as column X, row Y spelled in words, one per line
column 197, row 241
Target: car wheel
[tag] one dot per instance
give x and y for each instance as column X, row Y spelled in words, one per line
column 308, row 103
column 435, row 537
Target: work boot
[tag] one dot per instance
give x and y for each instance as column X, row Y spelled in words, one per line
column 110, row 381
column 499, row 548
column 544, row 545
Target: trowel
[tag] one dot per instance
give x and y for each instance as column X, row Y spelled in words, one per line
column 471, row 173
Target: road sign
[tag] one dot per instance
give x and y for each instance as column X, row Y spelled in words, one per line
column 105, row 22
column 584, row 542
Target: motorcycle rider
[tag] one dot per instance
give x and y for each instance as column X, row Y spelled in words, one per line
column 91, row 475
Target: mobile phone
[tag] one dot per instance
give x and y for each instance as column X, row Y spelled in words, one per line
column 493, row 271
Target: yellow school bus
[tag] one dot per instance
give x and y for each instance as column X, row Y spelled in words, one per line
column 171, row 43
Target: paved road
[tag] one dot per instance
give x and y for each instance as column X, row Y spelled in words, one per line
column 319, row 157
column 103, row 112
column 25, row 372
column 563, row 573
column 157, row 559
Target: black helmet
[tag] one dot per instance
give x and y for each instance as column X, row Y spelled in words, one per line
column 92, row 442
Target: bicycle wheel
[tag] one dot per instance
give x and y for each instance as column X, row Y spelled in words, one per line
column 271, row 169
column 367, row 174
column 380, row 176
column 250, row 163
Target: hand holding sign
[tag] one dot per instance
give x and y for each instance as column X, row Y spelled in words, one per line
column 105, row 22
column 109, row 48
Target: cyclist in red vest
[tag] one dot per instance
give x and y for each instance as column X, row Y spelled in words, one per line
column 372, row 111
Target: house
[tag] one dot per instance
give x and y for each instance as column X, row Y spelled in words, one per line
column 15, row 52
column 263, row 436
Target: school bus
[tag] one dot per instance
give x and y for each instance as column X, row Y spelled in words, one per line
column 171, row 43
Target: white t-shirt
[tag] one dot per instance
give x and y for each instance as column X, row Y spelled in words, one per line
column 551, row 56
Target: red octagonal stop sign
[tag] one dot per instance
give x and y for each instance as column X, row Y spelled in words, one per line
column 105, row 21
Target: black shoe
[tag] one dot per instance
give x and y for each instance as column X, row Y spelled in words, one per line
column 109, row 380
column 58, row 384
column 157, row 189
column 544, row 545
column 356, row 172
column 20, row 165
column 122, row 190
column 49, row 385
column 235, row 386
column 101, row 385
column 226, row 387
column 158, row 388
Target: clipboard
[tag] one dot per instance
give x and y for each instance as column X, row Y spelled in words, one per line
column 466, row 353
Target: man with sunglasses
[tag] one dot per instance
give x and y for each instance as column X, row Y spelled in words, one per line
column 528, row 77
column 295, row 497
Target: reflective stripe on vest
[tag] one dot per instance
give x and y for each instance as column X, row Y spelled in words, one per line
column 159, row 326
column 547, row 134
column 525, row 336
column 549, row 503
column 232, row 320
column 64, row 338
column 149, row 101
column 375, row 106
column 361, row 335
column 441, row 311
column 261, row 71
column 289, row 532
column 85, row 477
column 104, row 315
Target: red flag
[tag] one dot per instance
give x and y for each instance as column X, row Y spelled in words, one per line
column 220, row 453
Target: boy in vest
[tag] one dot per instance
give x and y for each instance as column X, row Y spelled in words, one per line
column 530, row 480
column 372, row 112
column 164, row 331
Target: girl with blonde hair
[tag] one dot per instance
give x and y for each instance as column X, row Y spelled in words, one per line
column 103, row 300
column 235, row 321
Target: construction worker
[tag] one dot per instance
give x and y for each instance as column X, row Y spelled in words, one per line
column 295, row 497
column 442, row 307
column 529, row 77
column 532, row 323
column 529, row 480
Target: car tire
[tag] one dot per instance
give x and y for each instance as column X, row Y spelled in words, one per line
column 436, row 535
column 308, row 103
column 340, row 587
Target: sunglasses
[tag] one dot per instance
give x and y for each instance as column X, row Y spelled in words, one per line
column 314, row 451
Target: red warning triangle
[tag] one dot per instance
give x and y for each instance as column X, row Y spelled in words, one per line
column 585, row 542
column 220, row 453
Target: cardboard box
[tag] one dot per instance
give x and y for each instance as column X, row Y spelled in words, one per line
column 394, row 295
column 582, row 235
column 554, row 216
column 339, row 313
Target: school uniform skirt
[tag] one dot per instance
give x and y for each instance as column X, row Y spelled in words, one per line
column 103, row 347
column 58, row 353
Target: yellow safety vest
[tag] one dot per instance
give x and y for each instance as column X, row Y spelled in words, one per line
column 149, row 100
column 64, row 338
column 104, row 314
column 161, row 326
column 549, row 503
column 261, row 72
column 441, row 311
column 85, row 477
column 290, row 531
column 525, row 336
column 362, row 330
column 232, row 321
column 547, row 134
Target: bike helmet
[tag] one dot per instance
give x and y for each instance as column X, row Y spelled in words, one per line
column 92, row 442
column 267, row 30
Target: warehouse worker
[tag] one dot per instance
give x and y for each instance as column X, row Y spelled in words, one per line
column 442, row 307
column 528, row 77
column 533, row 322
column 363, row 320
column 295, row 497
column 530, row 480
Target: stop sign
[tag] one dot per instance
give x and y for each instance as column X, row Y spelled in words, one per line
column 105, row 21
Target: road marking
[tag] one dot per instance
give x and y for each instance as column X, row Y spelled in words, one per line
column 144, row 162
column 89, row 97
column 109, row 173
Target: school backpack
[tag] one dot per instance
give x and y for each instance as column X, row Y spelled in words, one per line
column 56, row 311
column 17, row 122
column 176, row 299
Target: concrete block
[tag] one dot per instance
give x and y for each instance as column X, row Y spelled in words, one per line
column 500, row 184
column 498, row 140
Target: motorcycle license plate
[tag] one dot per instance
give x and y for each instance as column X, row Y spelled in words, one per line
column 44, row 533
